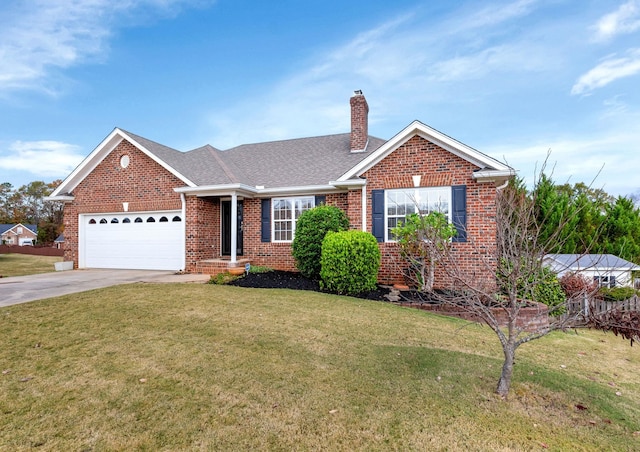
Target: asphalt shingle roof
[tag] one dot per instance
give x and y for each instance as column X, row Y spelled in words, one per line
column 297, row 162
column 592, row 261
column 287, row 163
column 5, row 227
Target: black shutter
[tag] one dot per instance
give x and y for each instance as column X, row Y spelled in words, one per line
column 265, row 220
column 321, row 199
column 377, row 214
column 459, row 212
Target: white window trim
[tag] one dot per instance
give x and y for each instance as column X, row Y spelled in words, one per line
column 606, row 281
column 293, row 220
column 414, row 190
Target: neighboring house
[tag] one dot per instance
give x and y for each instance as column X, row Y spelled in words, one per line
column 606, row 269
column 134, row 203
column 18, row 234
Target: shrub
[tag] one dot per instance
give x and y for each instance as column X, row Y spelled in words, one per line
column 549, row 291
column 616, row 293
column 223, row 278
column 349, row 263
column 576, row 285
column 311, row 228
column 260, row 269
column 542, row 285
column 421, row 240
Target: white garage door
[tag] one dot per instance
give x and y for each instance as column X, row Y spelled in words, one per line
column 145, row 241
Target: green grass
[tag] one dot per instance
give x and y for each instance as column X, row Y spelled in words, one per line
column 24, row 264
column 206, row 367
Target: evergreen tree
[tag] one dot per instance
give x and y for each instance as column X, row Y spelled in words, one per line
column 621, row 232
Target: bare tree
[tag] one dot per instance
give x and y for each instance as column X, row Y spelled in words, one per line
column 511, row 277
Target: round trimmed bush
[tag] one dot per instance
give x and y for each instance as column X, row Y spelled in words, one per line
column 349, row 263
column 311, row 228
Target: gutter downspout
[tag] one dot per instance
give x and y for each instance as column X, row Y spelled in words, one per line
column 234, row 228
column 503, row 185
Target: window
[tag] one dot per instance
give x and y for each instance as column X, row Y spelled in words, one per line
column 608, row 281
column 176, row 218
column 402, row 202
column 114, row 220
column 285, row 213
column 126, row 220
column 103, row 221
column 138, row 220
column 163, row 219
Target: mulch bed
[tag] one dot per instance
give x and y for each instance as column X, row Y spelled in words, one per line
column 292, row 280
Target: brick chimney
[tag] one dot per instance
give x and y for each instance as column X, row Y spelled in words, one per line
column 359, row 122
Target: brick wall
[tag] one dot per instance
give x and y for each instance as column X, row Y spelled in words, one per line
column 202, row 230
column 532, row 318
column 437, row 167
column 144, row 184
column 275, row 255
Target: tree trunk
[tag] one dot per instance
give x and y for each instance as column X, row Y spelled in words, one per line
column 504, row 384
column 432, row 274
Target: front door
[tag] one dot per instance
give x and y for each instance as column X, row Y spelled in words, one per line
column 226, row 228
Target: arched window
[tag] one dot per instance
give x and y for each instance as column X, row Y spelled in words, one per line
column 103, row 221
column 92, row 221
column 138, row 220
column 176, row 218
column 114, row 220
column 151, row 220
column 126, row 220
column 163, row 219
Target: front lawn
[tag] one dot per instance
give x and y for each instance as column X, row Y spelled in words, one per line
column 205, row 367
column 15, row 264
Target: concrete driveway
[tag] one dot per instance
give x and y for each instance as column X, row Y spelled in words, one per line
column 21, row 289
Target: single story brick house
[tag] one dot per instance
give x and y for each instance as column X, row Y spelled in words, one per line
column 18, row 234
column 134, row 203
column 608, row 270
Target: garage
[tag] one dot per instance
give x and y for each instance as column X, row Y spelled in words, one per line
column 143, row 240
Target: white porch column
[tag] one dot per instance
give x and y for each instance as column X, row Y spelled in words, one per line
column 364, row 207
column 234, row 227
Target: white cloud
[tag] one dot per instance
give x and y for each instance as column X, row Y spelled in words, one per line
column 495, row 14
column 494, row 59
column 37, row 36
column 398, row 63
column 611, row 69
column 41, row 158
column 624, row 20
column 605, row 157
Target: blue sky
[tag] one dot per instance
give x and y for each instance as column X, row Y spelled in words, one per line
column 513, row 79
